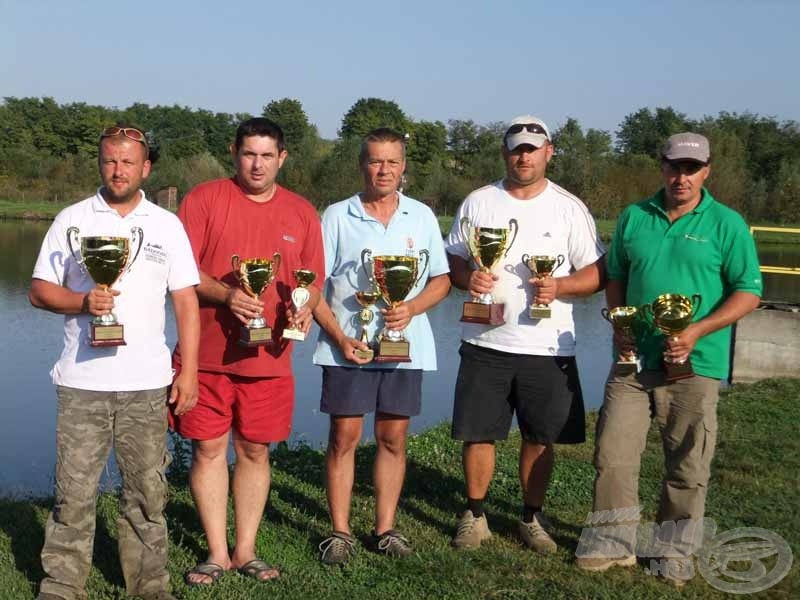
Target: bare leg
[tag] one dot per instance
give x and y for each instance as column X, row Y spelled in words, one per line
column 345, row 433
column 535, row 468
column 389, row 469
column 477, row 459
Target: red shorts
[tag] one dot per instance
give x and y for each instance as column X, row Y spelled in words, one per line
column 259, row 409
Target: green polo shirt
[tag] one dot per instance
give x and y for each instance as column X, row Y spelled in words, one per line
column 708, row 251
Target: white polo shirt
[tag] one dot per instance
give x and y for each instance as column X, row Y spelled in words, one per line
column 554, row 222
column 165, row 262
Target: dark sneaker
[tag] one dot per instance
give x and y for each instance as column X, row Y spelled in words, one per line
column 336, row 549
column 392, row 543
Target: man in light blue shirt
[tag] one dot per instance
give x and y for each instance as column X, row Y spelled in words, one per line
column 386, row 222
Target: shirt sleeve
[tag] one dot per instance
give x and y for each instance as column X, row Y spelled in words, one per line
column 193, row 214
column 740, row 269
column 585, row 246
column 313, row 253
column 183, row 271
column 617, row 262
column 54, row 255
column 455, row 243
column 438, row 257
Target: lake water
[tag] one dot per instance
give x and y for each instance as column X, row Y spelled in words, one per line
column 31, row 341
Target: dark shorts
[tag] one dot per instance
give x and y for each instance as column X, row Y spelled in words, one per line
column 351, row 391
column 544, row 392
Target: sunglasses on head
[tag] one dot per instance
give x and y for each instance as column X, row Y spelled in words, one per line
column 530, row 127
column 129, row 132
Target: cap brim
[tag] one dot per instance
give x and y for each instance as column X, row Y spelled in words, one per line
column 536, row 140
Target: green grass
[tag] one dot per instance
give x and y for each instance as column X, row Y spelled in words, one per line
column 12, row 209
column 754, row 483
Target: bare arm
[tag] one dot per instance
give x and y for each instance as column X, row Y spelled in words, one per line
column 59, row 299
column 584, row 282
column 214, row 291
column 464, row 277
column 434, row 291
column 187, row 317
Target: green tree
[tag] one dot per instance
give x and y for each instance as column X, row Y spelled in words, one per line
column 644, row 132
column 289, row 114
column 370, row 113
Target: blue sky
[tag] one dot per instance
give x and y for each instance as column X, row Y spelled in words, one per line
column 486, row 61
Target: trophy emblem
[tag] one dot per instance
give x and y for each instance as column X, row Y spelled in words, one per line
column 365, row 317
column 300, row 297
column 394, row 276
column 105, row 259
column 487, row 246
column 254, row 275
column 671, row 314
column 623, row 318
column 541, row 266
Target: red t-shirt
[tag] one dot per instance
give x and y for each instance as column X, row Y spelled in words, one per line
column 221, row 221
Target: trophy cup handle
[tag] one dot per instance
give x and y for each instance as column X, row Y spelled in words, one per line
column 525, row 258
column 463, row 224
column 696, row 299
column 73, row 232
column 137, row 234
column 559, row 261
column 427, row 256
column 236, row 263
column 366, row 258
column 512, row 224
column 276, row 264
column 605, row 315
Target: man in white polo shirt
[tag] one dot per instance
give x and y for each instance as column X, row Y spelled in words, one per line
column 526, row 365
column 116, row 394
column 386, row 222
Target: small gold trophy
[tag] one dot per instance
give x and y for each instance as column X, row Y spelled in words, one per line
column 105, row 259
column 623, row 319
column 395, row 277
column 671, row 314
column 300, row 297
column 254, row 275
column 487, row 246
column 541, row 266
column 365, row 317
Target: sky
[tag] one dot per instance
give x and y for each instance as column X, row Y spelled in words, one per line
column 439, row 60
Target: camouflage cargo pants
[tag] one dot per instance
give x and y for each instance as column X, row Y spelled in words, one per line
column 88, row 423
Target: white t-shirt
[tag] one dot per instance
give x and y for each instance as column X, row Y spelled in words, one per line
column 552, row 223
column 165, row 262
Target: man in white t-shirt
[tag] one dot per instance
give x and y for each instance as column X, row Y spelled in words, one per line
column 116, row 393
column 525, row 365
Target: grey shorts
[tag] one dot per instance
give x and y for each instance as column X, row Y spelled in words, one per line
column 352, row 391
column 543, row 391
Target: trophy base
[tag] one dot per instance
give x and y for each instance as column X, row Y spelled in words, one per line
column 540, row 312
column 678, row 371
column 294, row 334
column 106, row 335
column 627, row 367
column 486, row 314
column 364, row 354
column 393, row 351
column 259, row 336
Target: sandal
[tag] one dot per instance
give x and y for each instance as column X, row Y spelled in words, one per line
column 256, row 568
column 211, row 570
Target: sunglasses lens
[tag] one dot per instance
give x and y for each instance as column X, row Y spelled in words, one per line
column 111, row 131
column 133, row 134
column 531, row 127
column 514, row 129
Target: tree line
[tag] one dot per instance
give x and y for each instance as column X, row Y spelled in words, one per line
column 48, row 152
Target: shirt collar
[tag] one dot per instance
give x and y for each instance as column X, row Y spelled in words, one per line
column 356, row 207
column 706, row 200
column 99, row 205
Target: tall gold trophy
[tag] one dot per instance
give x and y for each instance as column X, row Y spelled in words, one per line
column 300, row 297
column 395, row 276
column 105, row 259
column 671, row 314
column 254, row 275
column 623, row 318
column 541, row 266
column 487, row 246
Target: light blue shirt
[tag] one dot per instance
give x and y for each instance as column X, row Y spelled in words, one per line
column 347, row 229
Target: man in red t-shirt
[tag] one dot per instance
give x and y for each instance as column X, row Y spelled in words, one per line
column 249, row 390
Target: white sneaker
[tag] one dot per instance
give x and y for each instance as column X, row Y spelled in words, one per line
column 535, row 534
column 471, row 531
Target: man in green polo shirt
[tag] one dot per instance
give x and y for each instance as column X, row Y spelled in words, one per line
column 680, row 241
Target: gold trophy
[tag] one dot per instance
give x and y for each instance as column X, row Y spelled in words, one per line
column 541, row 266
column 395, row 277
column 105, row 259
column 254, row 275
column 300, row 297
column 671, row 314
column 487, row 246
column 365, row 317
column 623, row 318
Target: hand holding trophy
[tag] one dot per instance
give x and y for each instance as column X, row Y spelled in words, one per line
column 671, row 314
column 622, row 319
column 300, row 297
column 365, row 317
column 395, row 277
column 254, row 275
column 105, row 259
column 541, row 266
column 487, row 246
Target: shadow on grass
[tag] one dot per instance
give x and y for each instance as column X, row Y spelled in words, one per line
column 19, row 521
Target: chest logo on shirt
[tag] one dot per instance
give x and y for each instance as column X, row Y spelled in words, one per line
column 289, row 238
column 695, row 238
column 155, row 253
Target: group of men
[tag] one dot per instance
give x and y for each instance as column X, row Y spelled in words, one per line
column 679, row 241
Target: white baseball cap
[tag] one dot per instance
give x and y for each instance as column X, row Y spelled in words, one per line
column 526, row 129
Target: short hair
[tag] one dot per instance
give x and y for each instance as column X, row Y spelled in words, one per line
column 381, row 134
column 262, row 127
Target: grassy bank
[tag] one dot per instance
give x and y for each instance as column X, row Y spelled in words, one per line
column 754, row 483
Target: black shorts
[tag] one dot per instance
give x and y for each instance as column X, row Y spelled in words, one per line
column 544, row 391
column 352, row 391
